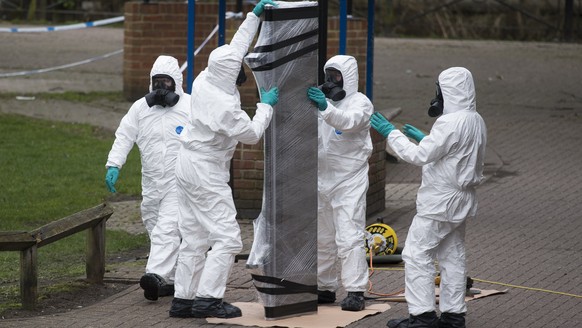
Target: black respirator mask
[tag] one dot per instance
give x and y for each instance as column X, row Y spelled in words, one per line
column 163, row 91
column 437, row 104
column 334, row 82
column 242, row 76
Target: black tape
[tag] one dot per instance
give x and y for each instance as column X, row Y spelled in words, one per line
column 286, row 286
column 285, row 43
column 283, row 14
column 286, row 59
column 290, row 309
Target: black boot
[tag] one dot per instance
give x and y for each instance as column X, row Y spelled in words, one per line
column 452, row 320
column 166, row 290
column 325, row 297
column 155, row 286
column 215, row 308
column 354, row 302
column 181, row 308
column 424, row 320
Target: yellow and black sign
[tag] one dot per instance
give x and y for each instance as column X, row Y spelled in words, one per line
column 380, row 239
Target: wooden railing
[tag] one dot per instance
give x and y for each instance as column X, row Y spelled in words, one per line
column 93, row 220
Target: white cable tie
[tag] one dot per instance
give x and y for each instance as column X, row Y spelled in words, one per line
column 231, row 14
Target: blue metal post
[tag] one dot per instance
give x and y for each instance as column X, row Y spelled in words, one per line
column 221, row 21
column 343, row 26
column 190, row 54
column 370, row 52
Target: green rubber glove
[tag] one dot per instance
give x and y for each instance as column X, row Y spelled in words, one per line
column 317, row 97
column 412, row 132
column 260, row 7
column 381, row 124
column 111, row 178
column 270, row 97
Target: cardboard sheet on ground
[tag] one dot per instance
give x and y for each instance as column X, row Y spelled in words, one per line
column 482, row 293
column 326, row 316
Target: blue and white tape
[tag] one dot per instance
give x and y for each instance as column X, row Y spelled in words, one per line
column 229, row 15
column 63, row 27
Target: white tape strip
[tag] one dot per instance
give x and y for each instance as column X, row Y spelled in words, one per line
column 228, row 15
column 44, row 70
column 185, row 65
column 64, row 27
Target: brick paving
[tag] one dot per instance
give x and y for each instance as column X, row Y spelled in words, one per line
column 527, row 233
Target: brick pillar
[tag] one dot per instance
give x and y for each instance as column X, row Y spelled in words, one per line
column 154, row 29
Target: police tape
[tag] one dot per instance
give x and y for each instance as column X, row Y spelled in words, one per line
column 44, row 70
column 63, row 27
column 185, row 65
column 228, row 15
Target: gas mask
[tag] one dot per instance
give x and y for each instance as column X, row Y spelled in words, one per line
column 242, row 76
column 332, row 88
column 437, row 104
column 163, row 91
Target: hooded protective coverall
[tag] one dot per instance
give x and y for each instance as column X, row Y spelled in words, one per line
column 156, row 131
column 451, row 157
column 344, row 148
column 207, row 211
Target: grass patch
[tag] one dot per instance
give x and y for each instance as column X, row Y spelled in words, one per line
column 50, row 170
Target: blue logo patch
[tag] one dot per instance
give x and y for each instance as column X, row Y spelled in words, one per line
column 338, row 132
column 179, row 129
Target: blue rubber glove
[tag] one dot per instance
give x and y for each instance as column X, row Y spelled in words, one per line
column 260, row 7
column 317, row 97
column 270, row 97
column 412, row 132
column 111, row 178
column 381, row 124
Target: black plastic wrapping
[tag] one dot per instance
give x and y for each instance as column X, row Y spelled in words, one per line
column 283, row 258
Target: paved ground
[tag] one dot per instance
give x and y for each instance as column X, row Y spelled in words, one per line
column 527, row 234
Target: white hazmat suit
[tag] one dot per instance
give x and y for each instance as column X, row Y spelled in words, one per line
column 344, row 149
column 207, row 211
column 452, row 157
column 156, row 131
